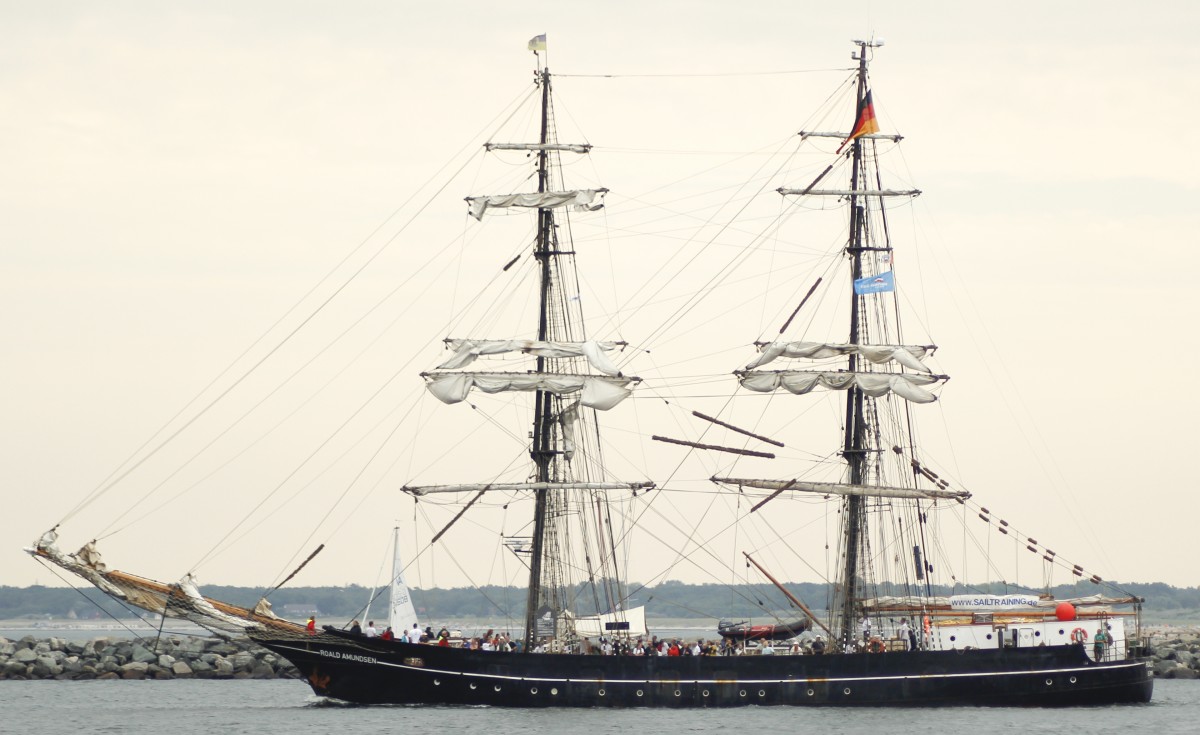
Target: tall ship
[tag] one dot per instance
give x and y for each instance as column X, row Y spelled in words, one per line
column 887, row 634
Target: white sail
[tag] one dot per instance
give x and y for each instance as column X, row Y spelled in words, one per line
column 907, row 355
column 401, row 613
column 800, row 382
column 466, row 350
column 595, row 391
column 431, row 489
column 580, row 199
column 837, row 488
column 565, row 147
column 594, row 626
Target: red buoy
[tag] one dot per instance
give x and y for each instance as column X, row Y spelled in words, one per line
column 1065, row 611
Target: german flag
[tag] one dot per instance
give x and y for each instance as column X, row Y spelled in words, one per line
column 864, row 122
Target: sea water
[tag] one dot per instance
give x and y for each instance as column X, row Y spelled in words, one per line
column 204, row 707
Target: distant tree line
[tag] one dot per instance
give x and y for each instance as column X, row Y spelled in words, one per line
column 507, row 604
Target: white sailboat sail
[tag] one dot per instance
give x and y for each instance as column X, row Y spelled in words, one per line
column 402, row 615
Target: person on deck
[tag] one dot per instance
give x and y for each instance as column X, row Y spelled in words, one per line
column 387, row 635
column 355, row 628
column 1100, row 642
column 312, row 625
column 904, row 633
column 370, row 631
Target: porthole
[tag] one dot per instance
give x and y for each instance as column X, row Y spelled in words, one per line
column 762, row 692
column 1061, row 631
column 1037, row 633
column 677, row 692
column 1049, row 682
column 846, row 690
column 1073, row 680
column 810, row 692
column 742, row 693
column 472, row 685
column 437, row 682
column 497, row 687
column 989, row 636
column 554, row 692
column 639, row 692
column 601, row 692
column 953, row 638
column 704, row 693
column 533, row 690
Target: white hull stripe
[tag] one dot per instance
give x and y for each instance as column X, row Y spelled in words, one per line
column 809, row 680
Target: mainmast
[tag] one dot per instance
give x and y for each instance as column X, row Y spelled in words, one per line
column 854, row 447
column 541, row 449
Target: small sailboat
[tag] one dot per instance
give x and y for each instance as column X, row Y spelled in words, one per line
column 887, row 635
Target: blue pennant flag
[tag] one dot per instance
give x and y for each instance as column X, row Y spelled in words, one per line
column 875, row 284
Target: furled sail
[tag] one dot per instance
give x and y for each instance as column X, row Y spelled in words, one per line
column 907, row 355
column 800, row 382
column 466, row 350
column 499, row 486
column 580, row 199
column 837, row 488
column 595, row 391
column 564, row 147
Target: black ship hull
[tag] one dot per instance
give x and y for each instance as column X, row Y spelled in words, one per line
column 373, row 671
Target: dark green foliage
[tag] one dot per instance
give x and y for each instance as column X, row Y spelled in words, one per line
column 506, row 605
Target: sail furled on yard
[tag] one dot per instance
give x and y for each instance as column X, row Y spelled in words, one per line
column 843, row 489
column 560, row 147
column 595, row 391
column 420, row 490
column 905, row 385
column 907, row 355
column 466, row 350
column 577, row 199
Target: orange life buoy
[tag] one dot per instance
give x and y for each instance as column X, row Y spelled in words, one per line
column 1079, row 635
column 875, row 645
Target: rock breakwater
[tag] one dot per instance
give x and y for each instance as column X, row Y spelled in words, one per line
column 174, row 657
column 1175, row 652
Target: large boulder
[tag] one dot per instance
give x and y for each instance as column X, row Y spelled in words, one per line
column 7, row 647
column 13, row 668
column 143, row 655
column 134, row 670
column 1182, row 672
column 223, row 668
column 181, row 670
column 24, row 656
column 262, row 670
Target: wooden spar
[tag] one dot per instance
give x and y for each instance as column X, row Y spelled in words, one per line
column 454, row 520
column 714, row 447
column 302, row 565
column 731, row 427
column 789, row 595
column 772, row 496
column 802, row 301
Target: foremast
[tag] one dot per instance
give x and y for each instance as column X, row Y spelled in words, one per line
column 562, row 388
column 541, row 450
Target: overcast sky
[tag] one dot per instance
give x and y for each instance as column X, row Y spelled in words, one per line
column 178, row 175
